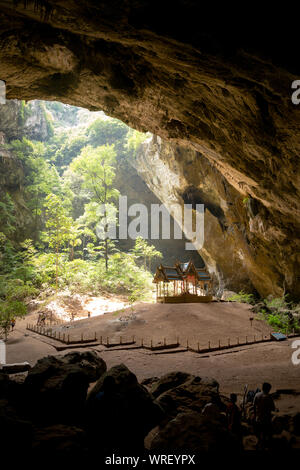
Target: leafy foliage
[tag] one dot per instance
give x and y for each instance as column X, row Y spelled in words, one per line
column 147, row 252
column 278, row 313
column 242, row 297
column 66, row 180
column 9, row 310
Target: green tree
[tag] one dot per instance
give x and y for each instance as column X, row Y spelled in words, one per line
column 58, row 227
column 134, row 141
column 41, row 177
column 7, row 214
column 108, row 131
column 74, row 239
column 96, row 166
column 9, row 310
column 147, row 252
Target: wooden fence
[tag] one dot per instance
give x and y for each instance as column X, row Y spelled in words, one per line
column 150, row 344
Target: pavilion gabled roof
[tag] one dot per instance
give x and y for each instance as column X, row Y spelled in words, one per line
column 179, row 272
column 167, row 274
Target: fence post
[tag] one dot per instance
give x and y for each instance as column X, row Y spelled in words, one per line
column 198, row 346
column 120, row 339
column 164, row 341
column 219, row 344
column 142, row 342
column 64, row 338
column 133, row 339
column 101, row 340
column 246, row 339
column 187, row 344
column 68, row 339
column 208, row 345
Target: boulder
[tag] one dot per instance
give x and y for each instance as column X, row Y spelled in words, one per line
column 59, row 440
column 193, row 433
column 16, row 368
column 56, row 387
column 4, row 382
column 296, row 424
column 281, row 423
column 15, row 431
column 250, row 443
column 150, row 381
column 191, row 395
column 169, row 381
column 10, row 389
column 128, row 414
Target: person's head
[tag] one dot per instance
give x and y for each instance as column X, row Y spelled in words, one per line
column 109, row 384
column 233, row 397
column 266, row 387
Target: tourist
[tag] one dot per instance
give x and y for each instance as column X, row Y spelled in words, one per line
column 13, row 324
column 263, row 408
column 212, row 409
column 233, row 415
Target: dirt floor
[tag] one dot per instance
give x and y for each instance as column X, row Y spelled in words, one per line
column 197, row 323
column 250, row 364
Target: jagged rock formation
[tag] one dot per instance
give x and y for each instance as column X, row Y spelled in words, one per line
column 203, row 80
column 243, row 246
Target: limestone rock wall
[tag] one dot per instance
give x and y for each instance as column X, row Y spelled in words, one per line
column 244, row 247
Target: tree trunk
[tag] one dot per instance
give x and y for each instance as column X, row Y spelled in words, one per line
column 56, row 268
column 106, row 254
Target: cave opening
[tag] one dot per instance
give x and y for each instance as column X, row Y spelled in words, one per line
column 85, row 81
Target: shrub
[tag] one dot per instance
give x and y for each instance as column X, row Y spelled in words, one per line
column 278, row 315
column 242, row 297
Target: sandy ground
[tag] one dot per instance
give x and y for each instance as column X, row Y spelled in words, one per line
column 251, row 364
column 197, row 323
column 66, row 306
